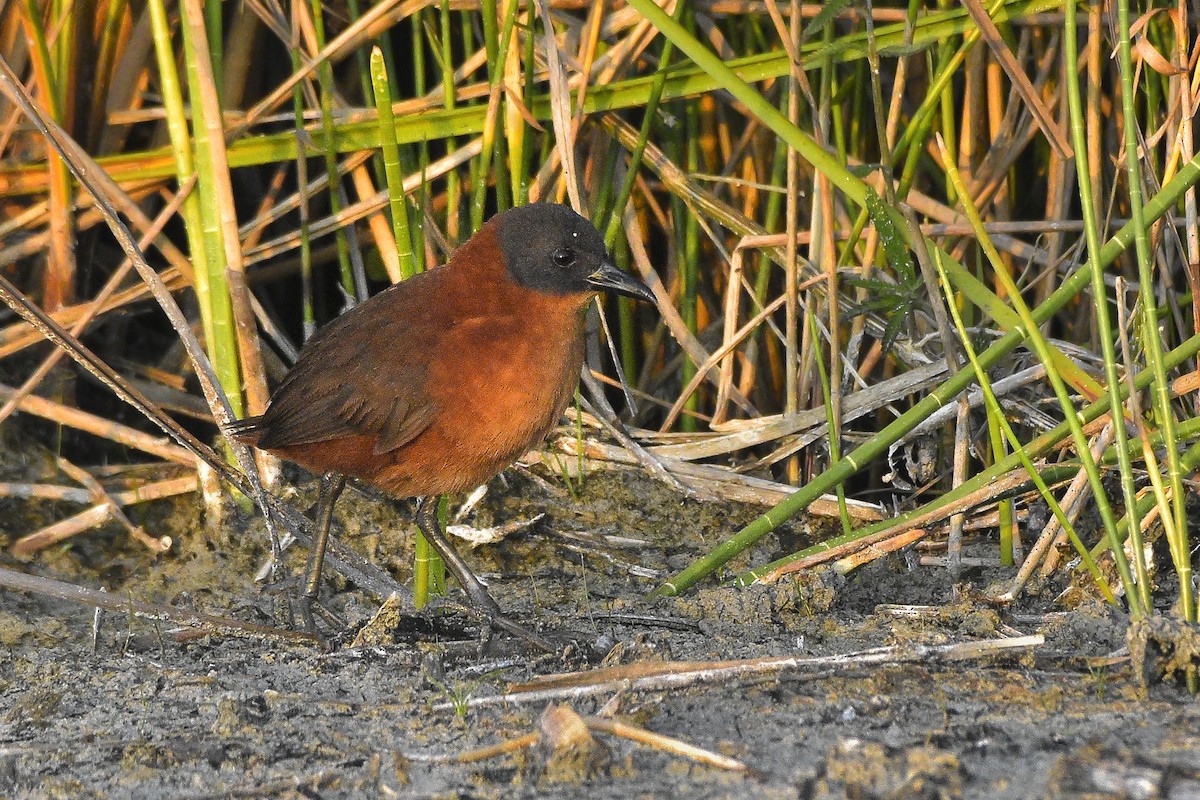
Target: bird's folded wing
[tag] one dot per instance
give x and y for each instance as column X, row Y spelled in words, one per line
column 357, row 377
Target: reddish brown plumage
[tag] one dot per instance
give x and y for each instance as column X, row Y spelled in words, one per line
column 436, row 384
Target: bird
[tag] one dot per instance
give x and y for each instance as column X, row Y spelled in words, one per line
column 439, row 382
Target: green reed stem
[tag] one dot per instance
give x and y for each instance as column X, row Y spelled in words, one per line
column 1100, row 298
column 326, row 89
column 393, row 169
column 946, row 393
column 1152, row 344
column 192, row 154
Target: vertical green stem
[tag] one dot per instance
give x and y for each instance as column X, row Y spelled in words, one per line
column 1161, row 388
column 392, row 167
column 325, row 72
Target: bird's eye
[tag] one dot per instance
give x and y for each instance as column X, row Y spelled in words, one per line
column 563, row 257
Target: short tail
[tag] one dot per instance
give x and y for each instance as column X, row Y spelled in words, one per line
column 246, row 431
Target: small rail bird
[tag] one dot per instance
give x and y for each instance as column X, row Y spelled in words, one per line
column 436, row 384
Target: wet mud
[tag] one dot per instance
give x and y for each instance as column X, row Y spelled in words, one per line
column 118, row 706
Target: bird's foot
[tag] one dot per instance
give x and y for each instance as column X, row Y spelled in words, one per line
column 491, row 621
column 308, row 608
column 304, row 604
column 485, row 638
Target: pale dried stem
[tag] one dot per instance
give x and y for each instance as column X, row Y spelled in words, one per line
column 103, row 512
column 94, row 307
column 99, row 426
column 673, row 676
column 100, row 495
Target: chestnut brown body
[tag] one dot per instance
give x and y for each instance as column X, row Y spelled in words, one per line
column 438, row 383
column 434, row 385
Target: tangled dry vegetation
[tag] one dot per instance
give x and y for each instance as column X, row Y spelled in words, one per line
column 910, row 258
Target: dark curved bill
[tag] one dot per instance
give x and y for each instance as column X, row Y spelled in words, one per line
column 611, row 277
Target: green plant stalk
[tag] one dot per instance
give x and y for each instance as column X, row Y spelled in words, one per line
column 1034, row 449
column 491, row 46
column 996, row 426
column 111, row 30
column 64, row 51
column 1161, row 389
column 500, row 145
column 421, row 552
column 216, row 48
column 857, row 459
column 393, row 169
column 475, row 165
column 600, row 201
column 326, row 88
column 857, row 101
column 521, row 189
column 836, row 113
column 1137, row 604
column 968, row 283
column 428, row 568
column 1006, row 518
column 1099, row 293
column 419, row 201
column 491, row 36
column 1190, row 460
column 999, row 424
column 999, row 311
column 949, row 126
column 1154, row 90
column 580, row 463
column 689, row 255
column 911, row 140
column 755, row 103
column 1188, row 429
column 515, row 138
column 774, row 209
column 360, row 56
column 830, row 422
column 627, row 317
column 176, row 117
column 854, row 188
column 420, row 70
column 437, row 577
column 58, row 276
column 496, row 45
column 223, row 349
column 649, row 113
column 308, row 314
column 453, row 184
column 775, row 201
column 365, row 74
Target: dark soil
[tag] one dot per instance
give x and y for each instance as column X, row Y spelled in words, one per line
column 147, row 710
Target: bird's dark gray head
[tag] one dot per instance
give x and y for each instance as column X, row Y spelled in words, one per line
column 549, row 248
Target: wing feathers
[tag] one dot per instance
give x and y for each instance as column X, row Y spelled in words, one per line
column 359, row 375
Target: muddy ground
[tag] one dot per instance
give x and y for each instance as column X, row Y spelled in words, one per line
column 147, row 711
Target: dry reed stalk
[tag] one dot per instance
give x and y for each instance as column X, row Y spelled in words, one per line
column 92, row 308
column 101, row 513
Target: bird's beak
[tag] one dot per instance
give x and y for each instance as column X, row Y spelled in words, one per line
column 610, row 276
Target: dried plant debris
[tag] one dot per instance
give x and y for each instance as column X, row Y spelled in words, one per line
column 1163, row 649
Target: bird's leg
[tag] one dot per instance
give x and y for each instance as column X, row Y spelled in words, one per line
column 332, row 484
column 487, row 609
column 427, row 521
